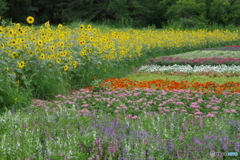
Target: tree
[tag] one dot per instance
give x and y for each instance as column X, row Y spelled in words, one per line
column 3, row 7
column 19, row 10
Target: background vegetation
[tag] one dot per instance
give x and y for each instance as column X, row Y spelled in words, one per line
column 132, row 13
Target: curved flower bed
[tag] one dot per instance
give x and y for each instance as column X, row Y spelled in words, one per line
column 194, row 62
column 137, row 101
column 190, row 69
column 207, row 87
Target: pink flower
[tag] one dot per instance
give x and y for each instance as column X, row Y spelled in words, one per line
column 227, row 110
column 84, row 111
column 210, row 115
column 208, row 106
column 69, row 102
column 195, row 106
column 198, row 113
column 124, row 107
column 233, row 111
column 215, row 108
column 179, row 103
column 134, row 117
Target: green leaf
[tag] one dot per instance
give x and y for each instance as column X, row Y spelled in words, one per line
column 19, row 71
column 13, row 76
column 1, row 98
column 3, row 62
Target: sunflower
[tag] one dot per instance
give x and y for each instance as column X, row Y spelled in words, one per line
column 89, row 27
column 14, row 55
column 1, row 29
column 74, row 64
column 58, row 60
column 21, row 64
column 65, row 68
column 42, row 56
column 82, row 42
column 30, row 52
column 40, row 42
column 91, row 38
column 60, row 26
column 10, row 32
column 82, row 27
column 30, row 19
column 63, row 54
column 47, row 24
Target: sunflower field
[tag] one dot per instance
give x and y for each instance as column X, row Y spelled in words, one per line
column 46, row 61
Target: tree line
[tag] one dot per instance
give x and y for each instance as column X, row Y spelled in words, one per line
column 134, row 13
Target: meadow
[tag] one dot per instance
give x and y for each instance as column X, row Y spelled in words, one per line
column 67, row 93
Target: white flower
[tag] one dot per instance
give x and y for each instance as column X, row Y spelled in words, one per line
column 188, row 68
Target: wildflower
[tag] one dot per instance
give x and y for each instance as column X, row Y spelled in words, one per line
column 42, row 56
column 60, row 26
column 40, row 42
column 1, row 29
column 89, row 27
column 210, row 115
column 58, row 60
column 233, row 111
column 65, row 68
column 82, row 27
column 21, row 64
column 30, row 19
column 47, row 24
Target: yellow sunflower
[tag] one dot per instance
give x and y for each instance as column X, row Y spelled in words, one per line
column 47, row 24
column 40, row 42
column 58, row 60
column 60, row 26
column 82, row 27
column 30, row 19
column 42, row 56
column 1, row 29
column 89, row 27
column 21, row 64
column 65, row 68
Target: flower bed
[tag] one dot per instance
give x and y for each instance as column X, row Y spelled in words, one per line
column 190, row 69
column 159, row 84
column 194, row 62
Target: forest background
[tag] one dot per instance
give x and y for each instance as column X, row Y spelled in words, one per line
column 125, row 13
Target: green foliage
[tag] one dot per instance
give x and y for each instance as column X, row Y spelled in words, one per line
column 3, row 7
column 11, row 94
column 19, row 10
column 134, row 13
column 193, row 13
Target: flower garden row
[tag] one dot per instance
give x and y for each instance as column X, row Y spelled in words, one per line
column 194, row 62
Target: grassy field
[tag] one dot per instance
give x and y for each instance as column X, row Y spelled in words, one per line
column 115, row 115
